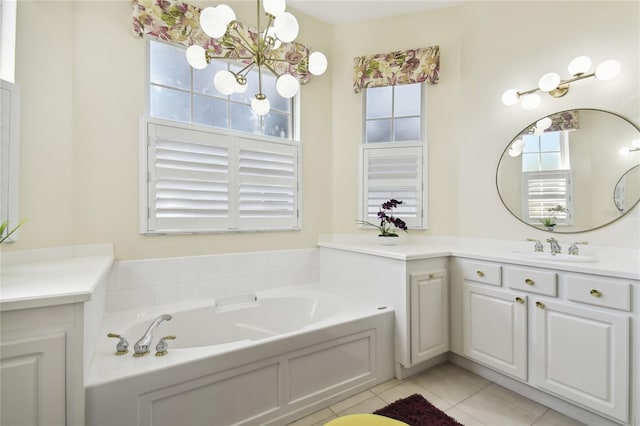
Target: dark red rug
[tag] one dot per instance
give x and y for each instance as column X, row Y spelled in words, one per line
column 417, row 411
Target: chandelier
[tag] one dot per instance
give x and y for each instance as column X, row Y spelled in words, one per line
column 259, row 52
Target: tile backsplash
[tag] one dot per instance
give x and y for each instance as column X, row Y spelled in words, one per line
column 140, row 283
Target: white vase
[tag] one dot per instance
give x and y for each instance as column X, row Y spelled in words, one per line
column 388, row 241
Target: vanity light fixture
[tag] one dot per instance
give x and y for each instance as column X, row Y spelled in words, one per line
column 557, row 87
column 635, row 146
column 282, row 26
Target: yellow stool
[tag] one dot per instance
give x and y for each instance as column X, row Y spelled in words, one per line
column 365, row 420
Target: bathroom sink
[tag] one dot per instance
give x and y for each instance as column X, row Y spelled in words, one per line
column 554, row 257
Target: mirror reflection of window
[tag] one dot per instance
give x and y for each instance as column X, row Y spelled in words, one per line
column 548, row 151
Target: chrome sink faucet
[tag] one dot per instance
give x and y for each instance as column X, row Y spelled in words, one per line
column 141, row 348
column 555, row 247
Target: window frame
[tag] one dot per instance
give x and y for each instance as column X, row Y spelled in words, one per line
column 393, row 118
column 10, row 158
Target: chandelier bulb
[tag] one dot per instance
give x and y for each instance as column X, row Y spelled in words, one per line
column 579, row 65
column 286, row 27
column 287, row 86
column 197, row 57
column 608, row 69
column 214, row 20
column 510, row 97
column 225, row 82
column 549, row 81
column 317, row 63
column 274, row 7
column 260, row 106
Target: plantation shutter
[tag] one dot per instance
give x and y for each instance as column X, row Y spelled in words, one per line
column 545, row 190
column 188, row 180
column 393, row 173
column 267, row 185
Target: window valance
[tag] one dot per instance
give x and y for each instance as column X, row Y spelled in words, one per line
column 401, row 67
column 565, row 120
column 179, row 23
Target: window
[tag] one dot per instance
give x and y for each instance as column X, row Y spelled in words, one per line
column 204, row 180
column 393, row 113
column 9, row 154
column 392, row 155
column 547, row 177
column 208, row 163
column 178, row 92
column 8, row 39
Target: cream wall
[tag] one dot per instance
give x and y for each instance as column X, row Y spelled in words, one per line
column 486, row 48
column 82, row 76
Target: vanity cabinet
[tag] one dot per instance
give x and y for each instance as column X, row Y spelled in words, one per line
column 565, row 333
column 429, row 314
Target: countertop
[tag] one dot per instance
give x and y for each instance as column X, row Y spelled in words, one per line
column 616, row 262
column 38, row 278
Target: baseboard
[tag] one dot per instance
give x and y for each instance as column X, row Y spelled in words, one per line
column 402, row 373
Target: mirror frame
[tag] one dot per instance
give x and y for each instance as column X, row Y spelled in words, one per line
column 523, row 131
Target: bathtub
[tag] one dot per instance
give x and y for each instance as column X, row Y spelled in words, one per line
column 265, row 358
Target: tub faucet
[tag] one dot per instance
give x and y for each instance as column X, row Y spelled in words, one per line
column 141, row 348
column 555, row 247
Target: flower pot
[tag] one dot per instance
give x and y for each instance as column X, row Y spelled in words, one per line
column 388, row 240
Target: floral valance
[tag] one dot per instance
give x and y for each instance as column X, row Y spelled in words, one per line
column 179, row 23
column 401, row 67
column 565, row 120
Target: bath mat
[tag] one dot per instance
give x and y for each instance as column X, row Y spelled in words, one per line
column 417, row 411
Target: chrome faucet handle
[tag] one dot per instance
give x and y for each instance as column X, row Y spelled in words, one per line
column 162, row 348
column 123, row 346
column 538, row 247
column 573, row 249
column 555, row 247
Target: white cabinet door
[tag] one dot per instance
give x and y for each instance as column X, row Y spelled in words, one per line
column 583, row 355
column 495, row 329
column 32, row 380
column 429, row 315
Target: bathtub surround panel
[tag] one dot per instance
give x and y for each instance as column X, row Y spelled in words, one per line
column 140, row 283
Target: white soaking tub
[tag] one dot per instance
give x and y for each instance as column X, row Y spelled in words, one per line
column 289, row 352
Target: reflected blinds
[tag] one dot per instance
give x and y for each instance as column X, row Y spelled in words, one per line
column 546, row 190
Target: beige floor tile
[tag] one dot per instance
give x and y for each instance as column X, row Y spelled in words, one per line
column 318, row 418
column 519, row 400
column 463, row 418
column 553, row 418
column 408, row 388
column 346, row 403
column 367, row 406
column 451, row 383
column 385, row 386
column 495, row 411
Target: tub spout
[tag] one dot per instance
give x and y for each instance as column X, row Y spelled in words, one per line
column 141, row 347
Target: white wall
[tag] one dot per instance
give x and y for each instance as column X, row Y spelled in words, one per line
column 486, row 48
column 82, row 75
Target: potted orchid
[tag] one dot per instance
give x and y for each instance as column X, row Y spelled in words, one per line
column 388, row 224
column 549, row 222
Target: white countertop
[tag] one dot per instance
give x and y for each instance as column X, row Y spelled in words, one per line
column 616, row 262
column 37, row 278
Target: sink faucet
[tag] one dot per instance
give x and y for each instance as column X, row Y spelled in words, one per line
column 141, row 348
column 573, row 250
column 555, row 247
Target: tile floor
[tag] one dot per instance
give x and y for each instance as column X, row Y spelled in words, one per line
column 468, row 398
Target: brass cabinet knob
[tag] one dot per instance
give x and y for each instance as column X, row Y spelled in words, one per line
column 519, row 300
column 595, row 293
column 480, row 273
column 540, row 305
column 529, row 281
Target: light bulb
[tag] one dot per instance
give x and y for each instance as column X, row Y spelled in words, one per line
column 196, row 57
column 274, row 7
column 287, row 86
column 510, row 97
column 625, row 150
column 516, row 148
column 544, row 123
column 286, row 27
column 608, row 70
column 271, row 33
column 227, row 14
column 549, row 81
column 317, row 63
column 225, row 82
column 531, row 101
column 214, row 20
column 260, row 106
column 579, row 65
column 241, row 88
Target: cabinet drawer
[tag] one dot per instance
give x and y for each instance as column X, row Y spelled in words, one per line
column 600, row 291
column 482, row 272
column 531, row 280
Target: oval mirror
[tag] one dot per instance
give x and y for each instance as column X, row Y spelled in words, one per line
column 559, row 173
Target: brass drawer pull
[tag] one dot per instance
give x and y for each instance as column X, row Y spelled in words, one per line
column 529, row 281
column 480, row 273
column 595, row 293
column 540, row 305
column 519, row 300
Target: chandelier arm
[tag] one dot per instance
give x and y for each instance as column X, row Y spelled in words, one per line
column 277, row 74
